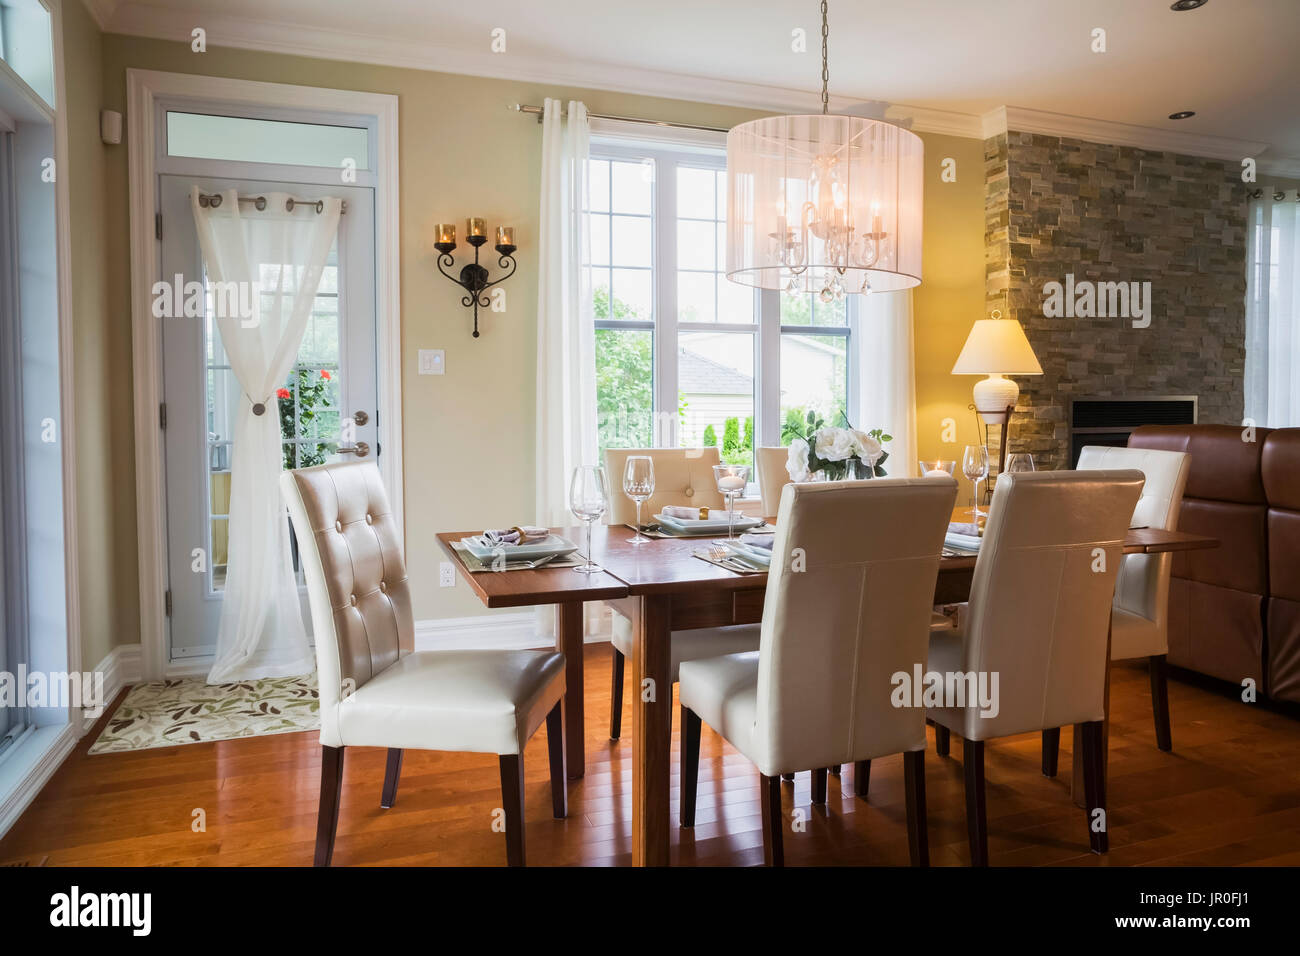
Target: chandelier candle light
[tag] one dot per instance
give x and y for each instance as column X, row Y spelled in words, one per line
column 824, row 203
column 473, row 277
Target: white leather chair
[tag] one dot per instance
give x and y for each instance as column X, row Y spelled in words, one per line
column 683, row 476
column 1140, row 616
column 375, row 691
column 772, row 477
column 1039, row 612
column 847, row 607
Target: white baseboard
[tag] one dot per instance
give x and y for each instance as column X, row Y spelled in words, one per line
column 121, row 667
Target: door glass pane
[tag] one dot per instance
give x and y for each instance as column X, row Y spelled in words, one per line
column 26, row 44
column 814, row 376
column 244, row 140
column 624, row 386
column 715, row 380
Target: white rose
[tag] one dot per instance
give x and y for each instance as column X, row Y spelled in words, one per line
column 868, row 448
column 796, row 464
column 835, row 444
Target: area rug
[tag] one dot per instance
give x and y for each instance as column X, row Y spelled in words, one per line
column 170, row 713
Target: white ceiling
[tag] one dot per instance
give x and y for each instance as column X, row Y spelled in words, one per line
column 1235, row 62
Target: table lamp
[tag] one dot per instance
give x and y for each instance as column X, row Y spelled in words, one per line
column 996, row 347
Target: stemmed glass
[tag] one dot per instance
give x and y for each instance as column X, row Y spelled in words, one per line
column 975, row 466
column 1020, row 461
column 588, row 499
column 639, row 484
column 731, row 481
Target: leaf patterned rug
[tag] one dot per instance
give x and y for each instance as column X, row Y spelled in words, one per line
column 170, row 713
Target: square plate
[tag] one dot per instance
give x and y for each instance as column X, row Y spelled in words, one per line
column 759, row 557
column 706, row 525
column 550, row 546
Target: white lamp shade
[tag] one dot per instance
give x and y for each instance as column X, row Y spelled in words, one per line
column 821, row 196
column 997, row 347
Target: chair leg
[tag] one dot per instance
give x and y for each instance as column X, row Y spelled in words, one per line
column 1094, row 785
column 555, row 752
column 392, row 774
column 512, row 802
column 327, row 815
column 1160, row 700
column 977, row 826
column 918, row 834
column 942, row 740
column 1051, row 751
column 861, row 778
column 773, row 851
column 616, row 698
column 819, row 785
column 690, row 766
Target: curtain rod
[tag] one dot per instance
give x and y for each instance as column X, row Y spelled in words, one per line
column 259, row 202
column 627, row 119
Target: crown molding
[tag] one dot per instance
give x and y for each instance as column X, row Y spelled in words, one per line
column 101, row 11
column 1118, row 134
column 296, row 40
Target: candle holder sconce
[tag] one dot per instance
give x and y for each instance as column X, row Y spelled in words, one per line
column 474, row 278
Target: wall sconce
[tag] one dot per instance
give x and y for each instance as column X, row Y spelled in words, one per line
column 473, row 277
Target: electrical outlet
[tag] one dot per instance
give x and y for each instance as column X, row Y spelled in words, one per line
column 446, row 575
column 433, row 361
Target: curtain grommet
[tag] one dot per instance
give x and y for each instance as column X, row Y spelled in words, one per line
column 259, row 408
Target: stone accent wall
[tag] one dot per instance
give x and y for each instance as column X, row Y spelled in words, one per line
column 1057, row 206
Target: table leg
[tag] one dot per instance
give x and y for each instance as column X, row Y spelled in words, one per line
column 1076, row 782
column 652, row 724
column 568, row 640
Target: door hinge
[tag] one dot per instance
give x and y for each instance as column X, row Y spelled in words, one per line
column 157, row 225
column 167, row 601
column 162, row 416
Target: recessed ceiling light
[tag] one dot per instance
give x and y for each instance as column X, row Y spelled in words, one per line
column 1179, row 6
column 1182, row 114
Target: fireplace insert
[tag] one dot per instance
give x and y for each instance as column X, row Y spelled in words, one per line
column 1109, row 421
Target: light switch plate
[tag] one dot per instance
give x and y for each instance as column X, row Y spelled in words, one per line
column 432, row 361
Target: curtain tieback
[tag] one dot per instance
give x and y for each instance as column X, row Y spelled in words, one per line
column 259, row 408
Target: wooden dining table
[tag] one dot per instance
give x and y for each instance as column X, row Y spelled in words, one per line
column 660, row 586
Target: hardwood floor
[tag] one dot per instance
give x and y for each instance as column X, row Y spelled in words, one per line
column 1228, row 794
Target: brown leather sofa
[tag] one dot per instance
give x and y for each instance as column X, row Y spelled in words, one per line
column 1234, row 610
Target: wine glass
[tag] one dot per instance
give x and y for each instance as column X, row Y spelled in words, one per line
column 975, row 466
column 588, row 499
column 1020, row 461
column 731, row 481
column 639, row 484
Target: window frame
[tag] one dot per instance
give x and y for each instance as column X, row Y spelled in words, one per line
column 767, row 331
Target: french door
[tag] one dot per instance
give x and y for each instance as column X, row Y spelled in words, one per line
column 327, row 405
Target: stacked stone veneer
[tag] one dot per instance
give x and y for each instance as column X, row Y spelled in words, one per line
column 1116, row 214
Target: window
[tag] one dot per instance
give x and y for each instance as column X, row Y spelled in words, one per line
column 684, row 356
column 246, row 140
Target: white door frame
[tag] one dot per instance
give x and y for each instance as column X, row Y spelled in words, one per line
column 144, row 89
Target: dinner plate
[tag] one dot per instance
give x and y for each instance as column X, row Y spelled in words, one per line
column 758, row 557
column 708, row 525
column 550, row 546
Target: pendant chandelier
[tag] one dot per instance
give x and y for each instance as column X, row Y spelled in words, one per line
column 824, row 203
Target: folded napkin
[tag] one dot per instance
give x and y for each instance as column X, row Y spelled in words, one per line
column 971, row 529
column 680, row 511
column 527, row 534
column 764, row 541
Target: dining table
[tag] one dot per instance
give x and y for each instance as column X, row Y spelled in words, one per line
column 661, row 586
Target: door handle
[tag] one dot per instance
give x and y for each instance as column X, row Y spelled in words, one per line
column 360, row 449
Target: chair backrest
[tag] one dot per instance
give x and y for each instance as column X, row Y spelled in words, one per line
column 848, row 606
column 1143, row 584
column 772, row 477
column 683, row 476
column 351, row 552
column 1041, row 596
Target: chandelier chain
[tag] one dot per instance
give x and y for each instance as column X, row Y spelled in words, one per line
column 826, row 72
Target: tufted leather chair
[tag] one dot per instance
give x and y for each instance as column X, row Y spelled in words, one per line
column 847, row 608
column 375, row 689
column 1040, row 609
column 1280, row 468
column 772, row 477
column 1140, row 615
column 683, row 476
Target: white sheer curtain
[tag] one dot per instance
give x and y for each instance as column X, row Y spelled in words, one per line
column 263, row 268
column 887, row 375
column 1272, row 378
column 566, row 338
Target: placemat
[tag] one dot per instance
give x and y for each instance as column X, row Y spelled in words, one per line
column 474, row 565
